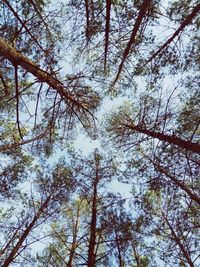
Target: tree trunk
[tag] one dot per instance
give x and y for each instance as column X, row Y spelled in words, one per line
column 179, row 183
column 171, row 139
column 138, row 21
column 14, row 251
column 181, row 246
column 92, row 241
column 107, row 32
column 72, row 250
column 17, row 59
column 187, row 21
column 121, row 264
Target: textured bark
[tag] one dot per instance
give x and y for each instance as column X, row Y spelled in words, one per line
column 16, row 248
column 17, row 59
column 171, row 139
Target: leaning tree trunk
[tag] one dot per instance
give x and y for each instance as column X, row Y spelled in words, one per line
column 171, row 139
column 17, row 59
column 180, row 244
column 16, row 248
column 178, row 183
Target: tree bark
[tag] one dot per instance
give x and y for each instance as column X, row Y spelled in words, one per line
column 92, row 241
column 178, row 242
column 179, row 183
column 14, row 251
column 17, row 59
column 171, row 139
column 136, row 27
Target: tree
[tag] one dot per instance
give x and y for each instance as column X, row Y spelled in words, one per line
column 63, row 64
column 52, row 188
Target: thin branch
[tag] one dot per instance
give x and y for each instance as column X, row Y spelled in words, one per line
column 22, row 23
column 7, row 147
column 37, row 103
column 40, row 15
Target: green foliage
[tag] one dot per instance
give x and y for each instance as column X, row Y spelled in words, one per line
column 61, row 64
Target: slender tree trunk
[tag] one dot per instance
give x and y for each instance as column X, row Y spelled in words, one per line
column 107, row 31
column 179, row 183
column 140, row 17
column 121, row 264
column 171, row 139
column 16, row 248
column 72, row 252
column 87, row 15
column 73, row 248
column 92, row 241
column 136, row 255
column 181, row 246
column 186, row 22
column 91, row 251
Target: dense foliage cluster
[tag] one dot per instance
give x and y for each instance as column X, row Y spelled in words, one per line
column 122, row 73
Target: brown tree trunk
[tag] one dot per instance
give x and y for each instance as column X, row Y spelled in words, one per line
column 73, row 248
column 179, row 183
column 171, row 139
column 140, row 17
column 121, row 264
column 178, row 242
column 92, row 241
column 186, row 22
column 16, row 248
column 107, row 31
column 17, row 59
